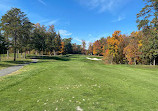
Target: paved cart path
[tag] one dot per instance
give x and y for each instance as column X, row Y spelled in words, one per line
column 12, row 69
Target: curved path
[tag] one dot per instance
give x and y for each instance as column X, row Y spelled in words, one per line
column 12, row 69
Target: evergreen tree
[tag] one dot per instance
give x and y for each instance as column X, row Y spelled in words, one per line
column 39, row 38
column 68, row 45
column 13, row 23
column 3, row 45
column 57, row 42
column 50, row 42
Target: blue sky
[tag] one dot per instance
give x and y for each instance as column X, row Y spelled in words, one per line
column 80, row 19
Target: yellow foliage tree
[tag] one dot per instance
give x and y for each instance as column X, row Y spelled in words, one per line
column 62, row 48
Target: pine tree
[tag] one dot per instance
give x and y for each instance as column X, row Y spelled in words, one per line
column 57, row 42
column 14, row 23
column 50, row 41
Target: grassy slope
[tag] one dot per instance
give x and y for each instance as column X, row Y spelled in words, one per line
column 66, row 83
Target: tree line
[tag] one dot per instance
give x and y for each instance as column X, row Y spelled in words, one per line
column 140, row 47
column 19, row 35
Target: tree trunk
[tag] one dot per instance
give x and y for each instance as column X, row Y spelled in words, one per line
column 21, row 54
column 39, row 53
column 15, row 48
column 25, row 55
column 3, row 53
column 7, row 54
column 50, row 53
column 54, row 52
column 36, row 53
column 135, row 61
column 14, row 54
column 18, row 53
column 154, row 62
column 112, row 60
column 42, row 52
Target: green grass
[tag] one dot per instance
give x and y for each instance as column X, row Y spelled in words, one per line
column 64, row 83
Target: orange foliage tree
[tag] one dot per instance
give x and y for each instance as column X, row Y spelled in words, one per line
column 62, row 48
column 113, row 45
column 97, row 48
column 107, row 57
column 132, row 52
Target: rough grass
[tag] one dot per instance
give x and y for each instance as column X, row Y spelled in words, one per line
column 63, row 83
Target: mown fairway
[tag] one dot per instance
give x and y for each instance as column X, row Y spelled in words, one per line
column 63, row 83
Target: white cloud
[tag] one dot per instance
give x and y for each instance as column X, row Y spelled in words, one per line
column 43, row 21
column 52, row 22
column 64, row 33
column 103, row 5
column 120, row 18
column 42, row 2
column 77, row 39
column 47, row 22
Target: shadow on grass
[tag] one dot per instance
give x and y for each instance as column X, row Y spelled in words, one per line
column 18, row 62
column 6, row 64
column 60, row 58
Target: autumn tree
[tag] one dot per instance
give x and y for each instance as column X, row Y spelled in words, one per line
column 108, row 58
column 62, row 51
column 132, row 50
column 97, row 48
column 83, row 47
column 76, row 49
column 90, row 48
column 113, row 46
